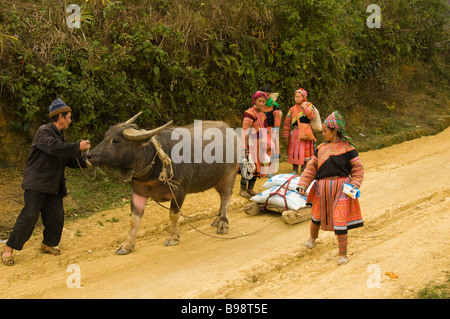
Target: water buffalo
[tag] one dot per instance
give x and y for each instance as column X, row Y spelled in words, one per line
column 131, row 150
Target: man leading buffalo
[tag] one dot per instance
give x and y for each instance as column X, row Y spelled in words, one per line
column 44, row 183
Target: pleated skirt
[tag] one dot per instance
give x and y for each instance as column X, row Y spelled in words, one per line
column 299, row 151
column 331, row 208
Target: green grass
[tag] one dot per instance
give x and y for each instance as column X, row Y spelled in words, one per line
column 87, row 196
column 441, row 291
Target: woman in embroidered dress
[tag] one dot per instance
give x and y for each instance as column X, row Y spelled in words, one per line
column 273, row 116
column 300, row 151
column 254, row 120
column 335, row 162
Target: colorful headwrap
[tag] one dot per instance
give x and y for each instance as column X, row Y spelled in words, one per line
column 257, row 95
column 302, row 92
column 335, row 120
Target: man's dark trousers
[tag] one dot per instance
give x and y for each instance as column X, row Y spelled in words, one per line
column 52, row 212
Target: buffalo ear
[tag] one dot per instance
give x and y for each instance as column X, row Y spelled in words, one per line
column 133, row 134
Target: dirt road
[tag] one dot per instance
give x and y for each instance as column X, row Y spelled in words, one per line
column 405, row 201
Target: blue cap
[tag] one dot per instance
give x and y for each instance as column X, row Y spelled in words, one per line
column 57, row 107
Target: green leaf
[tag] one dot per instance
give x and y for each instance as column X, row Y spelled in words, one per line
column 157, row 72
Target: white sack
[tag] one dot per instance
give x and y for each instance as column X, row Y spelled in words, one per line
column 280, row 179
column 294, row 200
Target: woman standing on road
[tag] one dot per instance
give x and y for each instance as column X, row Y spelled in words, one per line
column 298, row 133
column 253, row 127
column 334, row 163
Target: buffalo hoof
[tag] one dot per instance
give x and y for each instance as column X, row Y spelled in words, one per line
column 222, row 225
column 222, row 228
column 171, row 241
column 123, row 251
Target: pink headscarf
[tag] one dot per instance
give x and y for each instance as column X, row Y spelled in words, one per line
column 302, row 92
column 257, row 95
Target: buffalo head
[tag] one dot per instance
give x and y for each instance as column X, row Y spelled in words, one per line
column 121, row 146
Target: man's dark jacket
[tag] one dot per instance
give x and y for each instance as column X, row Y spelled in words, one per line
column 49, row 154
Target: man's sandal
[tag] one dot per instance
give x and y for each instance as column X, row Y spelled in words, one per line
column 49, row 250
column 8, row 261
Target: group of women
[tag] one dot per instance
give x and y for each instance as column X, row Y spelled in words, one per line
column 330, row 164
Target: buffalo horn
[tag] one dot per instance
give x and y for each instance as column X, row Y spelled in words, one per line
column 131, row 121
column 142, row 135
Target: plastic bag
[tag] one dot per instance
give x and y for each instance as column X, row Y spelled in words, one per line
column 351, row 191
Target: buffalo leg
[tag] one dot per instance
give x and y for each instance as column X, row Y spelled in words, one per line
column 225, row 189
column 137, row 210
column 174, row 215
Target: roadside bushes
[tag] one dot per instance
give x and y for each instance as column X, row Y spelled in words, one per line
column 193, row 59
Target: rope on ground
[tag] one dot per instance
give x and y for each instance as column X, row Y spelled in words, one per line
column 169, row 183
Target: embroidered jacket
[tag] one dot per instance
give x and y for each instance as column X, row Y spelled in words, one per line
column 253, row 118
column 295, row 115
column 338, row 159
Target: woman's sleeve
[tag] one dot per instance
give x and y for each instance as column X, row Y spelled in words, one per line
column 247, row 123
column 357, row 171
column 277, row 118
column 308, row 174
column 309, row 111
column 287, row 125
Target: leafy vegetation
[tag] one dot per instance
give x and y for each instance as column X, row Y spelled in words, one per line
column 193, row 59
column 436, row 291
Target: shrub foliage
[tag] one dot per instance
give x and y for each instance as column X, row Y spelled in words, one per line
column 193, row 59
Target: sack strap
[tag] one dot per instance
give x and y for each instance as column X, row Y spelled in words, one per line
column 286, row 189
